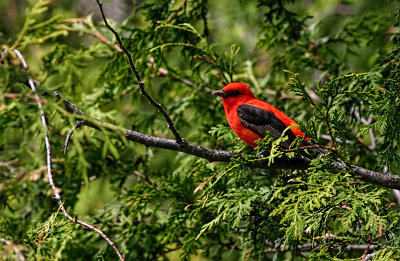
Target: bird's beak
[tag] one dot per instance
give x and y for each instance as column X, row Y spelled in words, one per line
column 220, row 93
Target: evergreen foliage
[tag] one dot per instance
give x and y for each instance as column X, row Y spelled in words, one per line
column 333, row 67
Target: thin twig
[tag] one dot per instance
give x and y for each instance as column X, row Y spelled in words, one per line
column 333, row 140
column 311, row 246
column 143, row 176
column 49, row 164
column 168, row 250
column 8, row 165
column 318, row 147
column 95, row 32
column 311, row 147
column 366, row 122
column 365, row 252
column 327, row 137
column 68, row 106
column 183, row 5
column 76, row 126
column 330, row 131
column 143, row 91
column 18, row 254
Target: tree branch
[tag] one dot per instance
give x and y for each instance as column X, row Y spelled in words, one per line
column 9, row 165
column 95, row 32
column 332, row 139
column 385, row 180
column 18, row 254
column 191, row 148
column 76, row 126
column 311, row 246
column 182, row 6
column 143, row 91
column 32, row 85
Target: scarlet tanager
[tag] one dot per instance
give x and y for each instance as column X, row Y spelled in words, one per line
column 251, row 118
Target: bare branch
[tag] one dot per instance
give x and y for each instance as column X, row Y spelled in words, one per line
column 143, row 176
column 94, row 32
column 191, row 148
column 68, row 106
column 333, row 140
column 312, row 147
column 18, row 254
column 366, row 122
column 310, row 246
column 386, row 180
column 143, row 91
column 32, row 85
column 365, row 252
column 327, row 137
column 76, row 126
column 182, row 6
column 8, row 165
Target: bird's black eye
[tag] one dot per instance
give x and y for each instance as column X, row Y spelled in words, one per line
column 235, row 93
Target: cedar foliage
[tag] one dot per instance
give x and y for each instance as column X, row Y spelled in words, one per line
column 342, row 59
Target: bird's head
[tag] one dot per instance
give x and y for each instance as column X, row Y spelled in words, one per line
column 234, row 93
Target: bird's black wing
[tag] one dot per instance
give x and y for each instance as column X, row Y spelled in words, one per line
column 260, row 121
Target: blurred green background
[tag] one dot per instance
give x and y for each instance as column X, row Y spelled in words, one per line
column 101, row 176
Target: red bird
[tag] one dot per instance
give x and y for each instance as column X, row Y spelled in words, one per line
column 251, row 118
